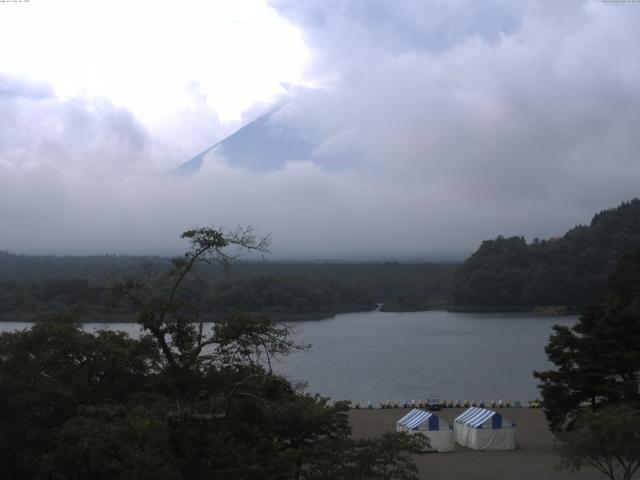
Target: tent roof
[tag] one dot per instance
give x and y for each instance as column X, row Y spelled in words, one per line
column 475, row 416
column 415, row 418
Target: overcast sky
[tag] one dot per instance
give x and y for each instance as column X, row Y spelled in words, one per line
column 442, row 122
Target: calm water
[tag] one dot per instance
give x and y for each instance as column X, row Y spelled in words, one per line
column 376, row 356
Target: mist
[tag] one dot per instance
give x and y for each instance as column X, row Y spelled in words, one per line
column 436, row 126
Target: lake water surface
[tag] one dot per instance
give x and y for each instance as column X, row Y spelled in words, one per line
column 379, row 356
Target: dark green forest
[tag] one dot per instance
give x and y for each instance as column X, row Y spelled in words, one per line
column 569, row 272
column 33, row 286
column 562, row 275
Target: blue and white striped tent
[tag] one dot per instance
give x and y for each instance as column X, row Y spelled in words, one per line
column 439, row 432
column 483, row 429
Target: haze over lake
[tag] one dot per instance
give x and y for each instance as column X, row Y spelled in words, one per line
column 378, row 356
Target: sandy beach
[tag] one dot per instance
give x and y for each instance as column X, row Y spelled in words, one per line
column 535, row 458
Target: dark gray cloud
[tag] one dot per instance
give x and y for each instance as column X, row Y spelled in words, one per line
column 528, row 120
column 438, row 124
column 342, row 31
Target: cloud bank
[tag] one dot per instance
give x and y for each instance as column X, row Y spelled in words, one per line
column 438, row 124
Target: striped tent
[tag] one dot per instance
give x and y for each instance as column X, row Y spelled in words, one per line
column 438, row 431
column 483, row 429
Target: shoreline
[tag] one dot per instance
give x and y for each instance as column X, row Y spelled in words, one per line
column 303, row 317
column 548, row 311
column 535, row 457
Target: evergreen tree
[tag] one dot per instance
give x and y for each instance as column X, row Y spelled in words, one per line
column 598, row 359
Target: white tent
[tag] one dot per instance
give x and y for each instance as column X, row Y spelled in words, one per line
column 438, row 431
column 482, row 429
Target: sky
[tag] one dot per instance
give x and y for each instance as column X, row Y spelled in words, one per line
column 436, row 124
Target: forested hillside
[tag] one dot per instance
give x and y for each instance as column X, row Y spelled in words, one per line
column 280, row 296
column 570, row 271
column 31, row 286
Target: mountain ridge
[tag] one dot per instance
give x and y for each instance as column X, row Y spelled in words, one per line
column 570, row 271
column 262, row 145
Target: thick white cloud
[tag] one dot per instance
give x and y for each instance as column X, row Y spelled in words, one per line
column 439, row 124
column 536, row 109
column 141, row 55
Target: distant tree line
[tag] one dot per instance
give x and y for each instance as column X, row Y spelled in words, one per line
column 32, row 287
column 506, row 273
column 282, row 295
column 570, row 271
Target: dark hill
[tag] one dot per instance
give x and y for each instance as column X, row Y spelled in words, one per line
column 570, row 271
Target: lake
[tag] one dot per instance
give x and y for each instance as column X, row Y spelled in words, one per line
column 379, row 356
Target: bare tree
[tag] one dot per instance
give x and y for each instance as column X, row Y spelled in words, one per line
column 158, row 297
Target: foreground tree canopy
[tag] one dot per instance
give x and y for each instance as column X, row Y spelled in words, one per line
column 183, row 401
column 598, row 359
column 608, row 440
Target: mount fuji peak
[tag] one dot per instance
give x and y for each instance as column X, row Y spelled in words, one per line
column 262, row 145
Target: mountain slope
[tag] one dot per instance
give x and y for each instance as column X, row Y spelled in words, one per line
column 261, row 145
column 572, row 271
